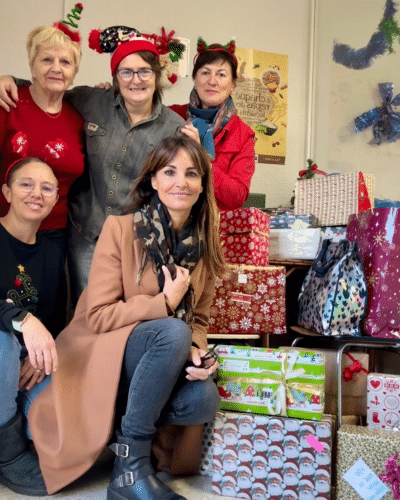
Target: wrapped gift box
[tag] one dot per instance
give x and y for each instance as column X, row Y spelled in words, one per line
column 354, row 392
column 334, row 197
column 294, row 243
column 374, row 447
column 383, row 401
column 281, row 381
column 288, row 211
column 245, row 236
column 287, row 221
column 250, row 299
column 271, row 457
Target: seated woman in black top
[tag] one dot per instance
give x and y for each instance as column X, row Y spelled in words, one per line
column 32, row 313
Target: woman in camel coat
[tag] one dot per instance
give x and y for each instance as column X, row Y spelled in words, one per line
column 143, row 315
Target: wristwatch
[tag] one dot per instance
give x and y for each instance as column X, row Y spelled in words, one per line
column 19, row 320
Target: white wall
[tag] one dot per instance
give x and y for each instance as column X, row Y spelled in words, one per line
column 343, row 94
column 279, row 26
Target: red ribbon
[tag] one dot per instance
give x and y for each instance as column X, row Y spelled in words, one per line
column 392, row 476
column 161, row 42
column 356, row 367
column 313, row 168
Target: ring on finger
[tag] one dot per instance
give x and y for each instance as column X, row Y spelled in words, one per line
column 38, row 371
column 189, row 280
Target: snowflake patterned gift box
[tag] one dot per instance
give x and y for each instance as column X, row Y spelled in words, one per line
column 374, row 447
column 383, row 401
column 377, row 233
column 245, row 236
column 259, row 456
column 284, row 381
column 250, row 299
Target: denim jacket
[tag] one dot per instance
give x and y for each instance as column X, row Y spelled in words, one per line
column 116, row 152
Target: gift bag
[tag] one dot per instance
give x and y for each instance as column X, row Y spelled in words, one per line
column 333, row 295
column 334, row 197
column 377, row 233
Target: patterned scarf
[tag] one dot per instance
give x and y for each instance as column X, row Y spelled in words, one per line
column 154, row 227
column 209, row 121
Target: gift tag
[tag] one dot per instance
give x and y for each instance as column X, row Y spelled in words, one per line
column 364, row 480
column 242, row 278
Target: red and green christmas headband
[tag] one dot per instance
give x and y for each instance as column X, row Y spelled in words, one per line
column 230, row 47
column 63, row 25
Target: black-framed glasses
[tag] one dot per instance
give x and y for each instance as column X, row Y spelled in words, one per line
column 127, row 75
column 209, row 358
column 28, row 185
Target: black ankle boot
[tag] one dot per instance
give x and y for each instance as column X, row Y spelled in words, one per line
column 133, row 477
column 19, row 467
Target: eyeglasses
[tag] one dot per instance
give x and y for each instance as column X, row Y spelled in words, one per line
column 28, row 185
column 209, row 358
column 144, row 74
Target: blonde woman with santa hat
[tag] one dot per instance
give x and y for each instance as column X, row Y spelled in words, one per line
column 123, row 124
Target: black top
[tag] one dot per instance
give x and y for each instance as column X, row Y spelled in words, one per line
column 33, row 277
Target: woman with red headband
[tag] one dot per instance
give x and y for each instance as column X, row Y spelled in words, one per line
column 123, row 124
column 226, row 138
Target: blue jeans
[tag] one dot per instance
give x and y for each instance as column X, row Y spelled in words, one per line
column 11, row 354
column 79, row 257
column 153, row 376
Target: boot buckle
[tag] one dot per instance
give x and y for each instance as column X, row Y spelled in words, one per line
column 126, row 479
column 120, row 449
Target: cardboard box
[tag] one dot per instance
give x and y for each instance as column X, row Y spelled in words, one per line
column 271, row 381
column 271, row 457
column 383, row 401
column 250, row 299
column 245, row 236
column 374, row 447
column 354, row 392
column 294, row 243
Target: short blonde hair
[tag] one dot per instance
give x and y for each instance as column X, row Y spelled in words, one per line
column 50, row 37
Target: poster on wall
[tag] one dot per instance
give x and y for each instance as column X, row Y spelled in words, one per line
column 261, row 101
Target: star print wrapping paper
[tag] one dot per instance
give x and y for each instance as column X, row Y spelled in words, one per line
column 245, row 236
column 248, row 300
column 378, row 235
column 383, row 401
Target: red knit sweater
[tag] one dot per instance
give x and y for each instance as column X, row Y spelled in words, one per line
column 28, row 131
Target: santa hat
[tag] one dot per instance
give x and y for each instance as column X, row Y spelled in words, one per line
column 246, row 440
column 307, row 427
column 291, row 462
column 260, row 457
column 326, row 443
column 244, row 494
column 247, row 418
column 275, row 421
column 260, row 429
column 218, row 434
column 229, row 476
column 306, row 480
column 120, row 41
column 72, row 17
column 290, row 490
column 323, row 471
column 291, row 436
column 245, row 466
column 275, row 473
column 216, row 487
column 230, row 450
column 307, row 452
column 217, row 460
column 259, row 483
column 275, row 446
column 231, row 424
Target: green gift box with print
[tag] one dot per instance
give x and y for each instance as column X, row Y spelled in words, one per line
column 284, row 381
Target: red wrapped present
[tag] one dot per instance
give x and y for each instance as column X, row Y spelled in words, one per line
column 378, row 235
column 245, row 236
column 259, row 456
column 250, row 299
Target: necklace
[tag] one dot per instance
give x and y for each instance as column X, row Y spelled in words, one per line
column 50, row 115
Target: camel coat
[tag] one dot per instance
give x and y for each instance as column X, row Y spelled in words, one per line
column 71, row 421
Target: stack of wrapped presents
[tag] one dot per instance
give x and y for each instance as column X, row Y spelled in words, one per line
column 276, row 435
